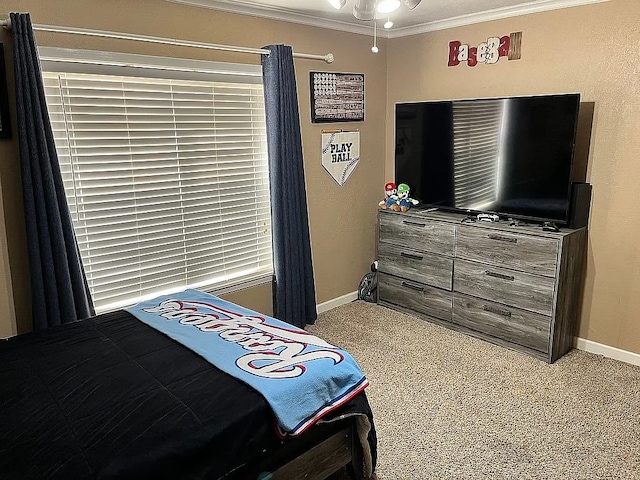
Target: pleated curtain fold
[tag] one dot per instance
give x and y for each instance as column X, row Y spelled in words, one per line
column 294, row 298
column 59, row 289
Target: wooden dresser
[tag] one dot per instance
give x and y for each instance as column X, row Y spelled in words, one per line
column 516, row 286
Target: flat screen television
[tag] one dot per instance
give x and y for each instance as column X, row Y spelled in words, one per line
column 509, row 156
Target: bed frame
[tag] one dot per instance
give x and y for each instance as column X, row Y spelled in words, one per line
column 319, row 461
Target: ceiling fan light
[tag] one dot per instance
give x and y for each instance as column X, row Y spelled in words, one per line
column 364, row 10
column 412, row 3
column 388, row 24
column 337, row 4
column 388, row 6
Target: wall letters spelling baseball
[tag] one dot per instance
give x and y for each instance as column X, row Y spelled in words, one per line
column 488, row 52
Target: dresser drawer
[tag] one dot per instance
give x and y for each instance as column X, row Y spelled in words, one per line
column 416, row 296
column 416, row 233
column 421, row 267
column 511, row 324
column 521, row 252
column 518, row 289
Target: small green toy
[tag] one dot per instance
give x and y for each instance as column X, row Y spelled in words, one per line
column 404, row 201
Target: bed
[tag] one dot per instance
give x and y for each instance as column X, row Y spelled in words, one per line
column 110, row 397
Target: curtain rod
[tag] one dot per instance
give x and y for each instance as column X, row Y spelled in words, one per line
column 328, row 58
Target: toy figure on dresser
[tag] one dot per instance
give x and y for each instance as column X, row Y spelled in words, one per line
column 391, row 199
column 404, row 200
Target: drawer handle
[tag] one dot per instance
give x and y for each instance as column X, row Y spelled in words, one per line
column 408, row 255
column 499, row 275
column 489, row 308
column 415, row 224
column 413, row 287
column 493, row 236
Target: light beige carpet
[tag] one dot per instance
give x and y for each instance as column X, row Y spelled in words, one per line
column 448, row 406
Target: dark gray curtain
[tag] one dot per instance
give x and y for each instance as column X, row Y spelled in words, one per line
column 58, row 284
column 294, row 296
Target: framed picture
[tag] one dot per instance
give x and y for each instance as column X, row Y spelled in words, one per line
column 336, row 97
column 5, row 124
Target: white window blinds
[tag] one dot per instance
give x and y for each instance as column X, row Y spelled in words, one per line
column 477, row 149
column 166, row 180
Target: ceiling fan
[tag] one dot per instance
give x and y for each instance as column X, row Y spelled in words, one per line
column 366, row 9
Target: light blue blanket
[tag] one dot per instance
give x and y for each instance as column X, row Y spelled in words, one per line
column 301, row 376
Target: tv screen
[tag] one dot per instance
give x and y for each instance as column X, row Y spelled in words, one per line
column 510, row 156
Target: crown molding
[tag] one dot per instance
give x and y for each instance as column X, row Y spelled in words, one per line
column 253, row 9
column 538, row 6
column 276, row 13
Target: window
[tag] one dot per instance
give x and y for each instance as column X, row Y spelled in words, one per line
column 165, row 169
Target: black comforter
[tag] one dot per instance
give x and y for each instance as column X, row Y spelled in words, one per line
column 109, row 397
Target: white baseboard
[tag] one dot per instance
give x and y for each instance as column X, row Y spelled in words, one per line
column 607, row 351
column 336, row 302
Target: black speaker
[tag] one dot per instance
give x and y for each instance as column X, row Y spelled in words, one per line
column 580, row 204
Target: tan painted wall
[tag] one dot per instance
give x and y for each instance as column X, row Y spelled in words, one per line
column 6, row 298
column 593, row 50
column 342, row 220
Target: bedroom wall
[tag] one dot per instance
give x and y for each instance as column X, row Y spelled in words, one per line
column 589, row 49
column 342, row 220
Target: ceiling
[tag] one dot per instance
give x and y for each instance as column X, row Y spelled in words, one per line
column 428, row 16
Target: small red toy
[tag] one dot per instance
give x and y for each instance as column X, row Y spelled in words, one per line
column 391, row 198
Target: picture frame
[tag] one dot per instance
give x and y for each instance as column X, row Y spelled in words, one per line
column 5, row 119
column 336, row 97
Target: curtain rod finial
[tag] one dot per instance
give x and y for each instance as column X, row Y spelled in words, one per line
column 329, row 58
column 6, row 24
